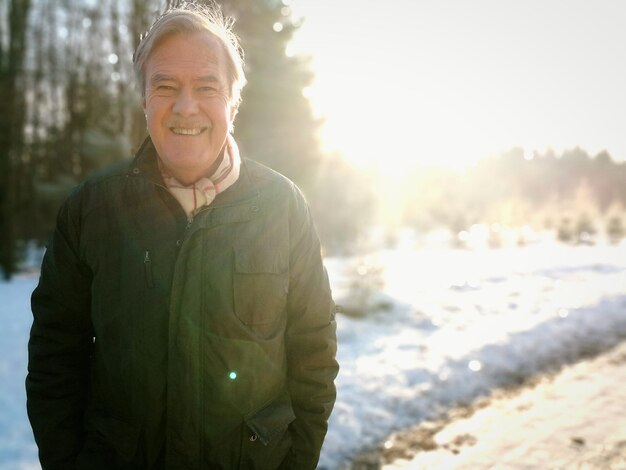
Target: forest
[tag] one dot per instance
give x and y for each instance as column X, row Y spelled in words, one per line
column 70, row 103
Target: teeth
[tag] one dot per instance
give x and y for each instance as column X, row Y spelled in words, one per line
column 187, row 131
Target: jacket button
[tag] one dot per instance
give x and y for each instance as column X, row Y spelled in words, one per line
column 135, row 171
column 178, row 243
column 253, row 438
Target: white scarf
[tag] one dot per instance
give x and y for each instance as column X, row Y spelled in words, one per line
column 202, row 193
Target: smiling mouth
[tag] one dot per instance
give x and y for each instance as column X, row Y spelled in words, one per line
column 188, row 130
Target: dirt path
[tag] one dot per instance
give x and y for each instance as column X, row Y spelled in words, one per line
column 573, row 420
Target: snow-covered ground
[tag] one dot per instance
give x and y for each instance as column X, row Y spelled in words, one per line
column 461, row 323
column 17, row 447
column 451, row 325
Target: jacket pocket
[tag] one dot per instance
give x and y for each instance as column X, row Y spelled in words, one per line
column 108, row 440
column 260, row 284
column 267, row 439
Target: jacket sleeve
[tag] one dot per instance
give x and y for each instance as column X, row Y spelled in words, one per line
column 310, row 340
column 60, row 345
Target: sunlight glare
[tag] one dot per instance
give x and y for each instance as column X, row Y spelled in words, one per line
column 451, row 86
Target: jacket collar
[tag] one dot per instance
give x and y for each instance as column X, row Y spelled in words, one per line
column 145, row 164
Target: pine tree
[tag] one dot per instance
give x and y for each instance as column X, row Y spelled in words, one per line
column 275, row 123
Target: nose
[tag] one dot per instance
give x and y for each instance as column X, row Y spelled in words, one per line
column 185, row 104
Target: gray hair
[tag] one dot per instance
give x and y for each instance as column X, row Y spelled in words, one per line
column 192, row 18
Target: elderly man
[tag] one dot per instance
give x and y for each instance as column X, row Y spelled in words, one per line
column 183, row 318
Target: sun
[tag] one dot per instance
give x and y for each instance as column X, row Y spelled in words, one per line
column 400, row 130
column 384, row 111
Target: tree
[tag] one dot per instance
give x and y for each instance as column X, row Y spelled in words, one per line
column 12, row 54
column 142, row 15
column 275, row 124
column 70, row 104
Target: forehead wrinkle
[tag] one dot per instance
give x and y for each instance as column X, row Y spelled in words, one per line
column 169, row 71
column 168, row 62
column 211, row 51
column 208, row 78
column 161, row 77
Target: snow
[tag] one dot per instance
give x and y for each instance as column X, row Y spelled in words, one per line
column 443, row 327
column 462, row 323
column 17, row 447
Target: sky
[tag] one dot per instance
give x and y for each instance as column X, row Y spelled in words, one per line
column 452, row 81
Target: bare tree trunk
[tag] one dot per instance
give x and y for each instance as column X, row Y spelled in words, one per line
column 118, row 50
column 11, row 128
column 141, row 17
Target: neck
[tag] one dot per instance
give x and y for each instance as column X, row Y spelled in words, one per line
column 189, row 177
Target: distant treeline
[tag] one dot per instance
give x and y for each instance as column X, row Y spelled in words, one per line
column 571, row 193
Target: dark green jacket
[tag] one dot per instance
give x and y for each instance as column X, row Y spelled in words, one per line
column 158, row 342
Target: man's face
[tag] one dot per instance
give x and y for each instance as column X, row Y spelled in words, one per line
column 187, row 103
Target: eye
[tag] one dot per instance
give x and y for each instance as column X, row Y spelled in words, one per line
column 207, row 90
column 165, row 88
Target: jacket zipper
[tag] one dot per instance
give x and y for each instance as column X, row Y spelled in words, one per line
column 147, row 263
